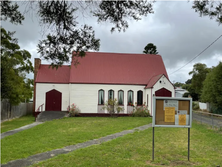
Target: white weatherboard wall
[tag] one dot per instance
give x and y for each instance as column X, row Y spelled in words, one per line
column 165, row 83
column 85, row 96
column 42, row 88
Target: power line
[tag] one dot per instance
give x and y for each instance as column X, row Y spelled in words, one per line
column 198, row 54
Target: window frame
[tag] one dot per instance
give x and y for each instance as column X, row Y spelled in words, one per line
column 122, row 99
column 138, row 98
column 103, row 96
column 128, row 97
column 108, row 94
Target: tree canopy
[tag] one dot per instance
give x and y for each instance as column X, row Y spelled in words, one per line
column 212, row 87
column 15, row 64
column 199, row 74
column 213, row 9
column 150, row 48
column 66, row 39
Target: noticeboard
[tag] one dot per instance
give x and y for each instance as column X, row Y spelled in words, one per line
column 172, row 112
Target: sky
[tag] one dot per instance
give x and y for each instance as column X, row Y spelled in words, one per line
column 175, row 28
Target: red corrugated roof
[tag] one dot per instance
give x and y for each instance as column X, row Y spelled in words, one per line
column 153, row 80
column 117, row 68
column 111, row 68
column 49, row 75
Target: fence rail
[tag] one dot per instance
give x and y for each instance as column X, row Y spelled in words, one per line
column 215, row 120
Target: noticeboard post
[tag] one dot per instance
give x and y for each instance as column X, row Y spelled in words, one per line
column 172, row 112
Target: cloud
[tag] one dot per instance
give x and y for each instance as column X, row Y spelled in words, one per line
column 177, row 31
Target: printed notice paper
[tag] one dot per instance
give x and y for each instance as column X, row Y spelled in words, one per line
column 169, row 114
column 182, row 119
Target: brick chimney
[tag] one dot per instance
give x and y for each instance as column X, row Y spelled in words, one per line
column 36, row 69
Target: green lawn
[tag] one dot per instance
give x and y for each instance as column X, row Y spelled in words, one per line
column 136, row 150
column 60, row 133
column 16, row 123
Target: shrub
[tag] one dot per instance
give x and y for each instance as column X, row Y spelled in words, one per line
column 113, row 107
column 73, row 110
column 195, row 105
column 140, row 111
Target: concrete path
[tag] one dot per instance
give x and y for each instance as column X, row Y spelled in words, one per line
column 11, row 132
column 46, row 155
column 50, row 115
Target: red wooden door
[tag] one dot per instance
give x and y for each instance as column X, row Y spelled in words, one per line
column 53, row 100
column 163, row 93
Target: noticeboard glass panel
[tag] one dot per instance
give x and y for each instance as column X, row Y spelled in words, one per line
column 172, row 112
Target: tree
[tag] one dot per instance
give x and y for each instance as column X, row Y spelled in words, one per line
column 150, row 49
column 15, row 63
column 212, row 87
column 178, row 84
column 10, row 11
column 199, row 74
column 213, row 9
column 65, row 36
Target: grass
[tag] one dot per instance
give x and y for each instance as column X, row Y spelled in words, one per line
column 17, row 123
column 136, row 150
column 60, row 133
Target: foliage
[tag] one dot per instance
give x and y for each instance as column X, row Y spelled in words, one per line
column 212, row 87
column 73, row 110
column 112, row 107
column 64, row 40
column 10, row 11
column 215, row 109
column 63, row 132
column 186, row 94
column 195, row 105
column 15, row 64
column 140, row 111
column 150, row 49
column 178, row 84
column 195, row 84
column 213, row 9
column 117, row 12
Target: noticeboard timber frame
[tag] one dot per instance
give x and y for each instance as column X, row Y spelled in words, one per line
column 162, row 107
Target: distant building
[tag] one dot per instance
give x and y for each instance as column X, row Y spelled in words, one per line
column 179, row 92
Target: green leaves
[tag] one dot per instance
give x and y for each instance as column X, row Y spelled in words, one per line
column 15, row 63
column 212, row 87
column 117, row 12
column 150, row 49
column 10, row 11
column 213, row 9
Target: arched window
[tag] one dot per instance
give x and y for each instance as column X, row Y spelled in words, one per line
column 130, row 97
column 120, row 97
column 139, row 98
column 110, row 94
column 101, row 97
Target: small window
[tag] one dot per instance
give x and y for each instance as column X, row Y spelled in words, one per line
column 101, row 97
column 140, row 98
column 120, row 97
column 130, row 97
column 111, row 94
